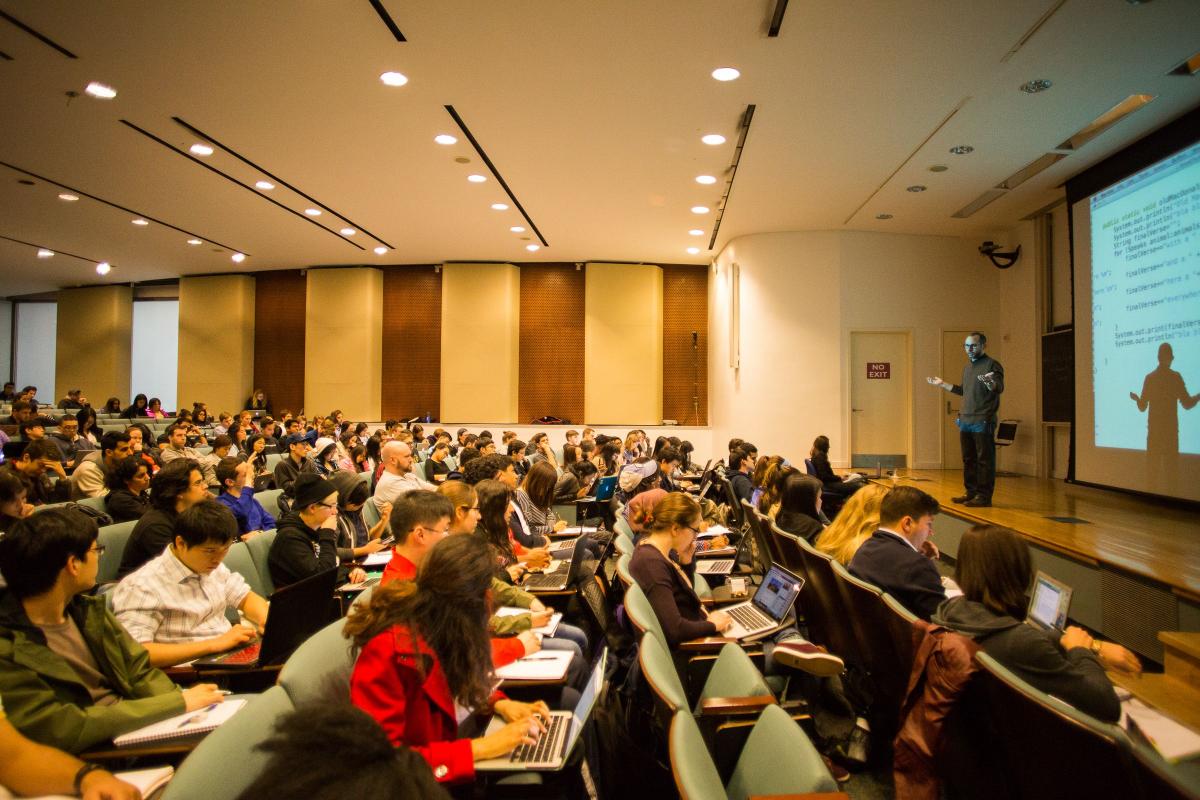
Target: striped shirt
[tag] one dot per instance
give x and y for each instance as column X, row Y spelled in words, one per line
column 165, row 601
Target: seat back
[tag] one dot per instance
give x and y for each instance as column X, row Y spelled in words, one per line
column 621, row 526
column 319, row 670
column 760, row 528
column 658, row 668
column 737, row 514
column 228, row 760
column 93, row 502
column 779, row 759
column 820, row 598
column 696, row 776
column 260, row 551
column 271, row 460
column 1161, row 780
column 269, row 500
column 623, row 543
column 370, row 513
column 641, row 613
column 239, row 560
column 734, row 675
column 623, row 569
column 113, row 538
column 868, row 618
column 809, row 467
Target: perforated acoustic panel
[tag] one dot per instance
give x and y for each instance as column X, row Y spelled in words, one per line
column 1135, row 610
column 279, row 304
column 412, row 342
column 685, row 370
column 551, row 341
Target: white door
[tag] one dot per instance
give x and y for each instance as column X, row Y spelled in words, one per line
column 880, row 394
column 954, row 358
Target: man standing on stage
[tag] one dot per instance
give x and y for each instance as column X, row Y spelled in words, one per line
column 982, row 383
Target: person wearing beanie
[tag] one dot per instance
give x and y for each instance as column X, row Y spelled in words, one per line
column 640, row 476
column 325, row 456
column 294, row 463
column 306, row 542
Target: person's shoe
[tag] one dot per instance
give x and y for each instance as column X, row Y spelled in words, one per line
column 962, row 498
column 978, row 502
column 839, row 773
column 809, row 658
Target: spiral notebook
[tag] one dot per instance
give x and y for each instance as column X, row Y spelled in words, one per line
column 189, row 723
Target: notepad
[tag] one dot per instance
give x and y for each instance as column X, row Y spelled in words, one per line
column 546, row 630
column 713, row 530
column 577, row 530
column 189, row 723
column 147, row 781
column 378, row 559
column 544, row 665
column 1173, row 741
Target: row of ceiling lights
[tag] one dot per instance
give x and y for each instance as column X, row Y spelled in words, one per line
column 723, row 74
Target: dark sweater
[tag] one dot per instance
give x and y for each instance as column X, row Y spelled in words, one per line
column 743, row 489
column 123, row 505
column 153, row 532
column 890, row 563
column 1075, row 676
column 286, row 473
column 800, row 525
column 674, row 601
column 299, row 551
column 980, row 403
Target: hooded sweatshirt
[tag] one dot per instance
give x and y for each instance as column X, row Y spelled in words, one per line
column 1074, row 676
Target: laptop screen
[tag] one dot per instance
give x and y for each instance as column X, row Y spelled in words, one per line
column 778, row 591
column 1050, row 601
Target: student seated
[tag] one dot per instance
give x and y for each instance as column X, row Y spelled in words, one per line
column 174, row 604
column 28, row 769
column 295, row 461
column 495, row 526
column 536, row 519
column 237, row 494
column 668, row 587
column 91, row 477
column 854, row 524
column 830, row 480
column 70, row 676
column 494, row 467
column 128, row 495
column 740, row 465
column 800, row 507
column 398, row 476
column 306, row 541
column 994, row 571
column 355, row 538
column 436, row 468
column 35, row 461
column 576, row 482
column 424, row 662
column 898, row 557
column 175, row 488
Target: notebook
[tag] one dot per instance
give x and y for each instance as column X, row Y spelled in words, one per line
column 189, row 723
column 147, row 781
column 562, row 732
column 546, row 630
column 1173, row 741
column 544, row 665
column 1049, row 603
column 379, row 558
column 769, row 607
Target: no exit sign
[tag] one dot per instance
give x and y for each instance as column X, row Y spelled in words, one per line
column 879, row 370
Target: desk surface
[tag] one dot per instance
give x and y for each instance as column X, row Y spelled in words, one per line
column 1173, row 697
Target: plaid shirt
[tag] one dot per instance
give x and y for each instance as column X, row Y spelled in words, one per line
column 164, row 601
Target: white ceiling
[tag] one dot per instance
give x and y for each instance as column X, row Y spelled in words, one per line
column 592, row 111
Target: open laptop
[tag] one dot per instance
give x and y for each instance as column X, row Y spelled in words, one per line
column 551, row 750
column 721, row 565
column 769, row 607
column 606, row 487
column 1049, row 603
column 562, row 574
column 297, row 612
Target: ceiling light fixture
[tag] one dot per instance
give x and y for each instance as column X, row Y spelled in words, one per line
column 103, row 268
column 348, row 231
column 380, row 250
column 713, row 139
column 916, row 187
column 44, row 253
column 517, row 229
column 532, row 248
column 394, row 78
column 194, row 241
column 100, row 90
column 699, row 209
column 499, row 207
column 445, row 138
column 476, row 178
column 201, row 149
column 938, row 168
column 238, row 258
column 962, row 149
column 140, row 222
column 1036, row 85
column 266, row 186
column 883, row 216
column 726, row 74
column 693, row 250
column 70, row 198
column 707, row 180
column 695, row 232
column 313, row 212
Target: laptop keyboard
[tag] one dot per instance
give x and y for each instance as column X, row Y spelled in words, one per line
column 243, row 656
column 750, row 617
column 543, row 580
column 546, row 747
column 708, row 566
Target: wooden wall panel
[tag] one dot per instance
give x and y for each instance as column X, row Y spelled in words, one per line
column 279, row 321
column 685, row 309
column 412, row 342
column 551, row 359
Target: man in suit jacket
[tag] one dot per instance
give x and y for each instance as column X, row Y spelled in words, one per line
column 898, row 557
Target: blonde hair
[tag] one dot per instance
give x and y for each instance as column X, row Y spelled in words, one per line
column 854, row 524
column 676, row 509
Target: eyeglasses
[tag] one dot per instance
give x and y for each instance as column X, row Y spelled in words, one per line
column 215, row 551
column 98, row 549
column 330, row 506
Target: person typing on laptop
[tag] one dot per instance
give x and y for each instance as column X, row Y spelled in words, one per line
column 174, row 605
column 994, row 570
column 424, row 663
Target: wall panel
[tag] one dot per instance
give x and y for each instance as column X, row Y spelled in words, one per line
column 343, row 345
column 216, row 341
column 685, row 370
column 551, row 342
column 623, row 344
column 481, row 320
column 94, row 343
column 279, row 301
column 412, row 342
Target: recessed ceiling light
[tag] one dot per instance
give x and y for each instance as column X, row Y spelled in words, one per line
column 44, row 253
column 266, row 186
column 201, row 149
column 517, row 229
column 962, row 149
column 699, row 209
column 1036, row 85
column 70, row 198
column 713, row 138
column 238, row 257
column 705, row 179
column 938, row 168
column 883, row 216
column 532, row 247
column 461, row 160
column 141, row 222
column 380, row 251
column 916, row 187
column 25, row 182
column 348, row 231
column 445, row 138
column 96, row 89
column 499, row 207
column 103, row 268
column 693, row 250
column 476, row 178
column 695, row 232
column 194, row 241
column 726, row 74
column 313, row 212
column 394, row 78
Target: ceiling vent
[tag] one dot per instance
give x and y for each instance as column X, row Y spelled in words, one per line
column 978, row 203
column 1029, row 170
column 1106, row 120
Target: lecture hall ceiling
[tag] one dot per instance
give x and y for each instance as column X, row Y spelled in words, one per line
column 592, row 112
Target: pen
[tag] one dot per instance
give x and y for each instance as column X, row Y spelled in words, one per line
column 198, row 717
column 540, row 658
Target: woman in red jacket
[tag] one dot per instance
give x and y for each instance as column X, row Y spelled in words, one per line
column 425, row 664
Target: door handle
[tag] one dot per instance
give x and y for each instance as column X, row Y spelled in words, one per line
column 949, row 410
column 856, row 409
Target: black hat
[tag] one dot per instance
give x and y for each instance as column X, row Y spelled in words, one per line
column 311, row 488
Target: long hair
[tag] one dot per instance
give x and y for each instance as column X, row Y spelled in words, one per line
column 494, row 497
column 773, row 487
column 448, row 606
column 994, row 568
column 539, row 484
column 799, row 496
column 854, row 523
column 461, row 495
column 676, row 509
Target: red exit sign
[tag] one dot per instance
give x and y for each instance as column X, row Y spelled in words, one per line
column 879, row 370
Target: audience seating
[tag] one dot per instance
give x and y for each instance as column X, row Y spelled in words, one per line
column 260, row 548
column 113, row 538
column 768, row 549
column 319, row 670
column 271, row 460
column 623, row 569
column 240, row 561
column 623, row 543
column 269, row 500
column 823, row 608
column 370, row 513
column 93, row 502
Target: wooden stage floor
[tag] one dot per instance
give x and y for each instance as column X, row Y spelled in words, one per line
column 1133, row 534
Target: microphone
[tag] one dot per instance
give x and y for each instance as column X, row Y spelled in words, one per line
column 695, row 338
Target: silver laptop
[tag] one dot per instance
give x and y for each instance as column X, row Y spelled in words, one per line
column 720, row 565
column 562, row 575
column 1049, row 603
column 562, row 731
column 770, row 606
